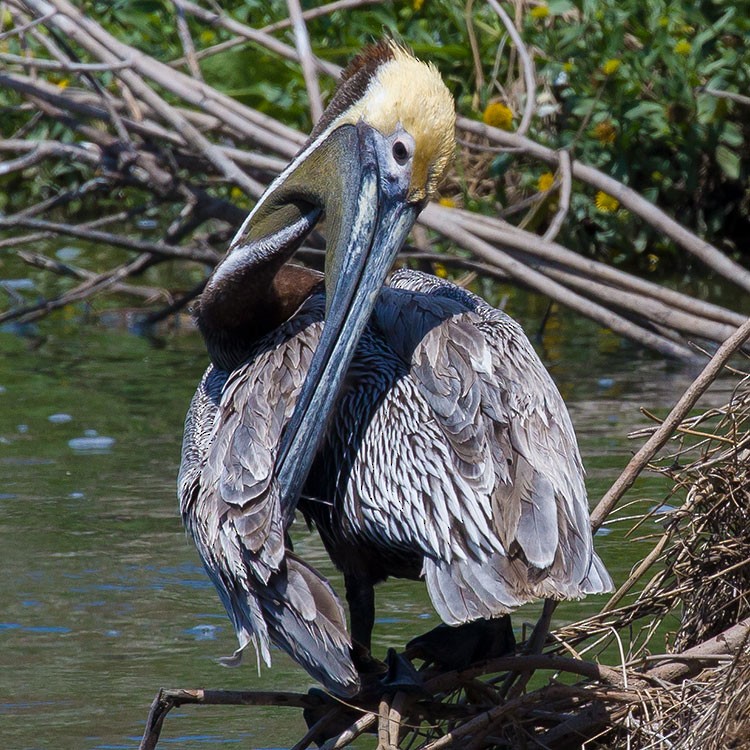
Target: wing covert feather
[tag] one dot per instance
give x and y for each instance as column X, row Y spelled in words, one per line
column 498, row 472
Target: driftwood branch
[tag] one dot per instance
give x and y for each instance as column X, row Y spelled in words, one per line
column 158, row 249
column 705, row 252
column 187, row 42
column 731, row 95
column 527, row 66
column 435, row 219
column 166, row 700
column 679, row 666
column 668, row 427
column 66, row 269
column 566, row 189
column 96, row 283
column 306, row 59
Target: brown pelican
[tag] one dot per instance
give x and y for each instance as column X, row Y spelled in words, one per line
column 412, row 423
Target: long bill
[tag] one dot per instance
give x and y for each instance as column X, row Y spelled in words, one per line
column 360, row 254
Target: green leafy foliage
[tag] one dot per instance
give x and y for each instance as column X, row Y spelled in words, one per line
column 625, row 85
column 634, row 83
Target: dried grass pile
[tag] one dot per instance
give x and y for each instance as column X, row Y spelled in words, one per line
column 696, row 595
column 707, row 571
column 711, row 553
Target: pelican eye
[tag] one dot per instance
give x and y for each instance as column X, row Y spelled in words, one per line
column 400, row 152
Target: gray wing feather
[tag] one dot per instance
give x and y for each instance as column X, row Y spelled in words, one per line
column 469, row 589
column 500, row 507
column 230, row 504
column 220, row 551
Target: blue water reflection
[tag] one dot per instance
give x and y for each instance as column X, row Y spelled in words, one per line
column 102, row 597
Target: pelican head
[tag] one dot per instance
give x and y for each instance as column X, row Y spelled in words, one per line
column 405, row 100
column 371, row 164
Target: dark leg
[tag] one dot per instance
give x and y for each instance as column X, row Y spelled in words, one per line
column 539, row 634
column 360, row 594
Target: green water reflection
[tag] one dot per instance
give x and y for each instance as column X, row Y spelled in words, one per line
column 102, row 598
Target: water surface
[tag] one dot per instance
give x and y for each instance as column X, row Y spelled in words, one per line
column 102, row 597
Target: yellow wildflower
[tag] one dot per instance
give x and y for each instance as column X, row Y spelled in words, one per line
column 545, row 182
column 440, row 270
column 611, row 66
column 447, row 202
column 653, row 262
column 567, row 67
column 683, row 47
column 498, row 115
column 207, row 36
column 63, row 83
column 236, row 193
column 606, row 203
column 417, row 4
column 605, row 132
column 540, row 11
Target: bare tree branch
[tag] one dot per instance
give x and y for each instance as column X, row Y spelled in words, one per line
column 527, row 65
column 187, row 42
column 565, row 191
column 68, row 67
column 158, row 249
column 306, row 59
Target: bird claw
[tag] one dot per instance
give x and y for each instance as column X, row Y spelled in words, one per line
column 401, row 675
column 459, row 646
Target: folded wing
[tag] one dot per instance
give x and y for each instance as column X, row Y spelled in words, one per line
column 483, row 473
column 229, row 500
